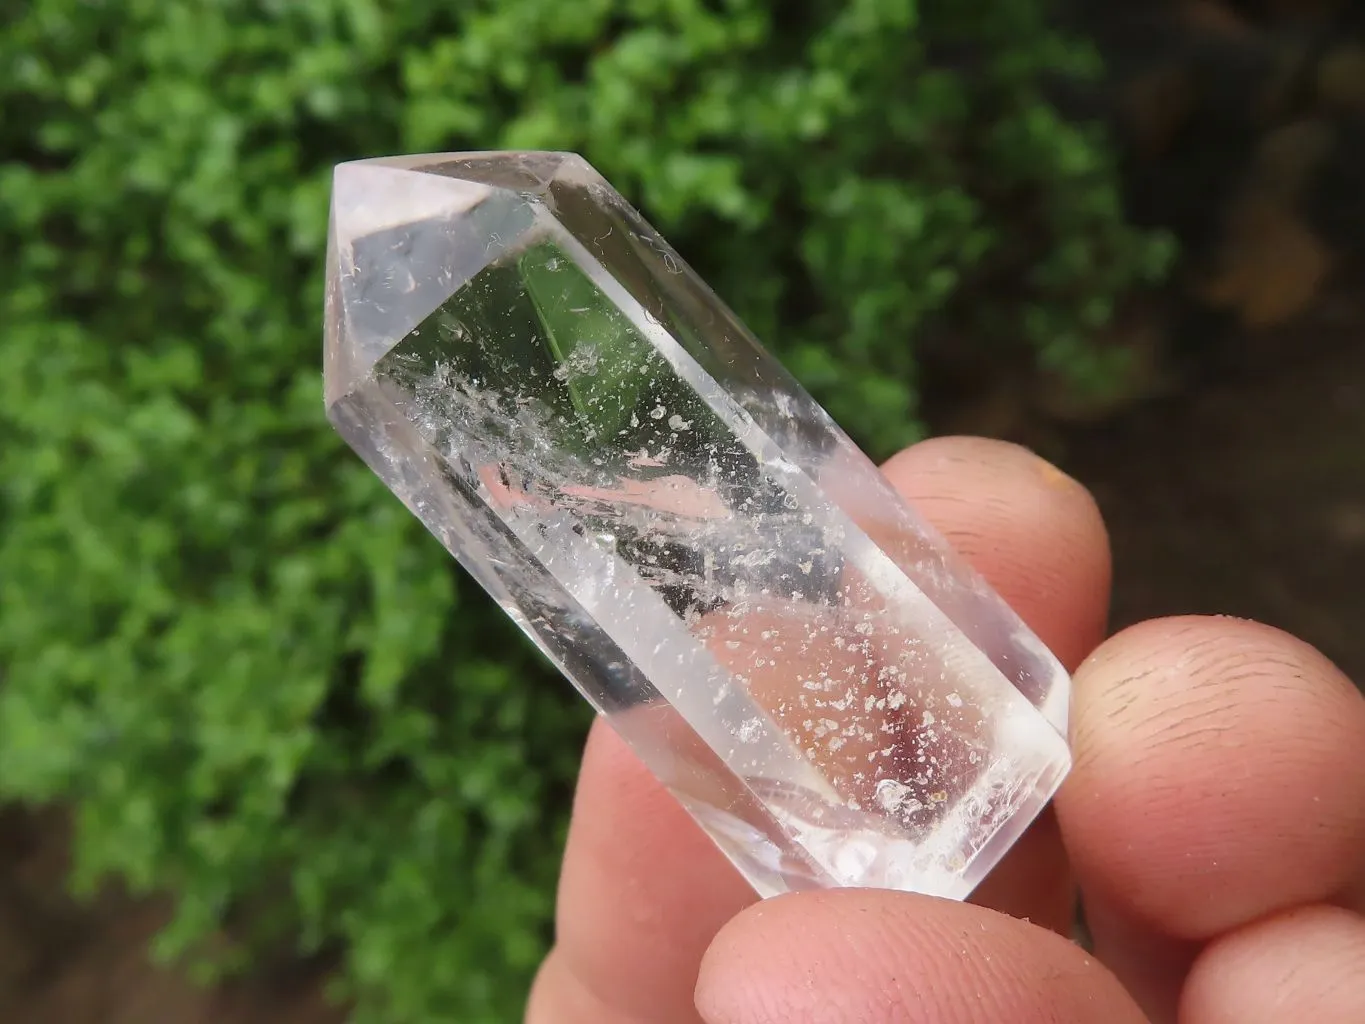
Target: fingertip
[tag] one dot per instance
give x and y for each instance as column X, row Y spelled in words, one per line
column 1224, row 640
column 1215, row 775
column 1033, row 532
column 1304, row 965
column 870, row 957
column 642, row 892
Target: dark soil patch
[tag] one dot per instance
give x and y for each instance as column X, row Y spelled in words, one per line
column 66, row 963
column 1246, row 497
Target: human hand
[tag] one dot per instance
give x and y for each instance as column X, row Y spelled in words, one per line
column 1214, row 823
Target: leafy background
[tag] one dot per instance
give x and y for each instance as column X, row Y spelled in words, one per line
column 254, row 679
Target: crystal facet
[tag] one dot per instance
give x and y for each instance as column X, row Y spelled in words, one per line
column 829, row 690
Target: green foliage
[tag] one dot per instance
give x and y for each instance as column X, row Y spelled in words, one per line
column 258, row 682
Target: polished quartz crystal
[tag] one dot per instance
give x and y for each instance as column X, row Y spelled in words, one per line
column 828, row 689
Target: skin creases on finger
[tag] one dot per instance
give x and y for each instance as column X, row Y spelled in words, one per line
column 1303, row 965
column 1217, row 776
column 847, row 956
column 642, row 893
column 559, row 995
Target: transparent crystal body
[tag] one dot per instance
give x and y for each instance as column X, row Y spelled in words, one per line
column 830, row 691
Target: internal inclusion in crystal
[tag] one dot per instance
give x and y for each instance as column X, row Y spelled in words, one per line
column 676, row 524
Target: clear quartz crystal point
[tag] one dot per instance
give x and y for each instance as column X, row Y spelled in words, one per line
column 817, row 678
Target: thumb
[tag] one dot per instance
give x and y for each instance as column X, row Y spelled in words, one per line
column 874, row 957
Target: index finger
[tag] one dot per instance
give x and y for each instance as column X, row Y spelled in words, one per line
column 643, row 891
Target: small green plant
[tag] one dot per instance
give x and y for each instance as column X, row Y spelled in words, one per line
column 256, row 681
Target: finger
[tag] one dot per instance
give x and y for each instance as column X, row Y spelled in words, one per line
column 1151, row 964
column 642, row 894
column 872, row 957
column 1308, row 965
column 641, row 885
column 1033, row 882
column 1216, row 780
column 1217, row 774
column 1038, row 538
column 1033, row 532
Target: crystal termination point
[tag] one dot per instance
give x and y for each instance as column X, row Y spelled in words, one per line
column 828, row 689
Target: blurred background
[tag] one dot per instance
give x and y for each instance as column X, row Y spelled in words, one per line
column 265, row 755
